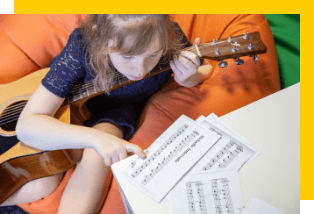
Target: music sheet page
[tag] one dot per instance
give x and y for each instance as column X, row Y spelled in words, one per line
column 231, row 152
column 216, row 121
column 170, row 157
column 216, row 192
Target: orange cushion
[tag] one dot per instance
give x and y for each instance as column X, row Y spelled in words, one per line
column 10, row 54
column 30, row 42
column 226, row 90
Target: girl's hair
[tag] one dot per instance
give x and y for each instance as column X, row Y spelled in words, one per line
column 143, row 28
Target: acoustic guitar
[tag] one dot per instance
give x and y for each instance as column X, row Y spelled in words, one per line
column 20, row 163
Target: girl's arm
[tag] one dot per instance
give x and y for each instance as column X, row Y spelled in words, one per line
column 38, row 128
column 187, row 69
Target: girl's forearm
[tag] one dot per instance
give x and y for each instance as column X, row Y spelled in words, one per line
column 47, row 133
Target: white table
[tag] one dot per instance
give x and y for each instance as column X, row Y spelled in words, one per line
column 272, row 124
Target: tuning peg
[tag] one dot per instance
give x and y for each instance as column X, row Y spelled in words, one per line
column 234, row 49
column 217, row 52
column 245, row 36
column 223, row 64
column 250, row 47
column 239, row 61
column 230, row 39
column 255, row 58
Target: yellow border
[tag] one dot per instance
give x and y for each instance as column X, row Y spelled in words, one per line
column 162, row 6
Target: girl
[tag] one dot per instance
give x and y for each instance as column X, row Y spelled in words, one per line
column 101, row 49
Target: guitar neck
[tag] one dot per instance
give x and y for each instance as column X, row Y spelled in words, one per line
column 92, row 88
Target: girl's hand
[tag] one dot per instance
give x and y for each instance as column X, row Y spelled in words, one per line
column 185, row 67
column 114, row 149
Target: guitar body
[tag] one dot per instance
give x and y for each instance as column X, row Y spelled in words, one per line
column 20, row 163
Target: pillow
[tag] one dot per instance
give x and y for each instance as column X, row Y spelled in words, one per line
column 32, row 41
column 10, row 54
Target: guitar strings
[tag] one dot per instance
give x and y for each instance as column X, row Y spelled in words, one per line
column 6, row 122
column 11, row 113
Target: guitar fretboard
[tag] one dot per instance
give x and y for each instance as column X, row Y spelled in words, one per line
column 93, row 88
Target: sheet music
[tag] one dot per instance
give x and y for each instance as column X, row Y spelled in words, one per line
column 226, row 128
column 207, row 193
column 231, row 152
column 170, row 157
column 216, row 121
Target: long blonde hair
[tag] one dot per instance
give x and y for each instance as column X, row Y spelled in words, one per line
column 99, row 29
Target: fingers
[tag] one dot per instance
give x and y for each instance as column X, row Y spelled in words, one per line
column 197, row 41
column 177, row 67
column 115, row 158
column 110, row 159
column 135, row 149
column 185, row 67
column 117, row 150
column 189, row 58
column 185, row 63
column 123, row 154
column 107, row 161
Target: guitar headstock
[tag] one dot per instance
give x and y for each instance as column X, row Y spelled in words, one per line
column 248, row 44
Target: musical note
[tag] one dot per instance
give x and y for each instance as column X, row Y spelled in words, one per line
column 226, row 154
column 158, row 152
column 170, row 156
column 196, row 201
column 222, row 195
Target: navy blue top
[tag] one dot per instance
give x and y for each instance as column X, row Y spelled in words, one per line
column 122, row 107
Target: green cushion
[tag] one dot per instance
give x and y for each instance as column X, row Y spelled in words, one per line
column 286, row 31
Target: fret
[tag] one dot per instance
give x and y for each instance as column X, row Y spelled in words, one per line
column 94, row 87
column 80, row 93
column 86, row 94
column 76, row 97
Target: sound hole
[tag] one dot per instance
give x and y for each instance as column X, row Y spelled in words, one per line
column 10, row 115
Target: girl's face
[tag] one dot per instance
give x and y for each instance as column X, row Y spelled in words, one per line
column 136, row 67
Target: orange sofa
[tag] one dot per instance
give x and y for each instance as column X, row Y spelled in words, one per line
column 29, row 42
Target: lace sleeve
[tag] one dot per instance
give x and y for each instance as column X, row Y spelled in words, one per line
column 67, row 68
